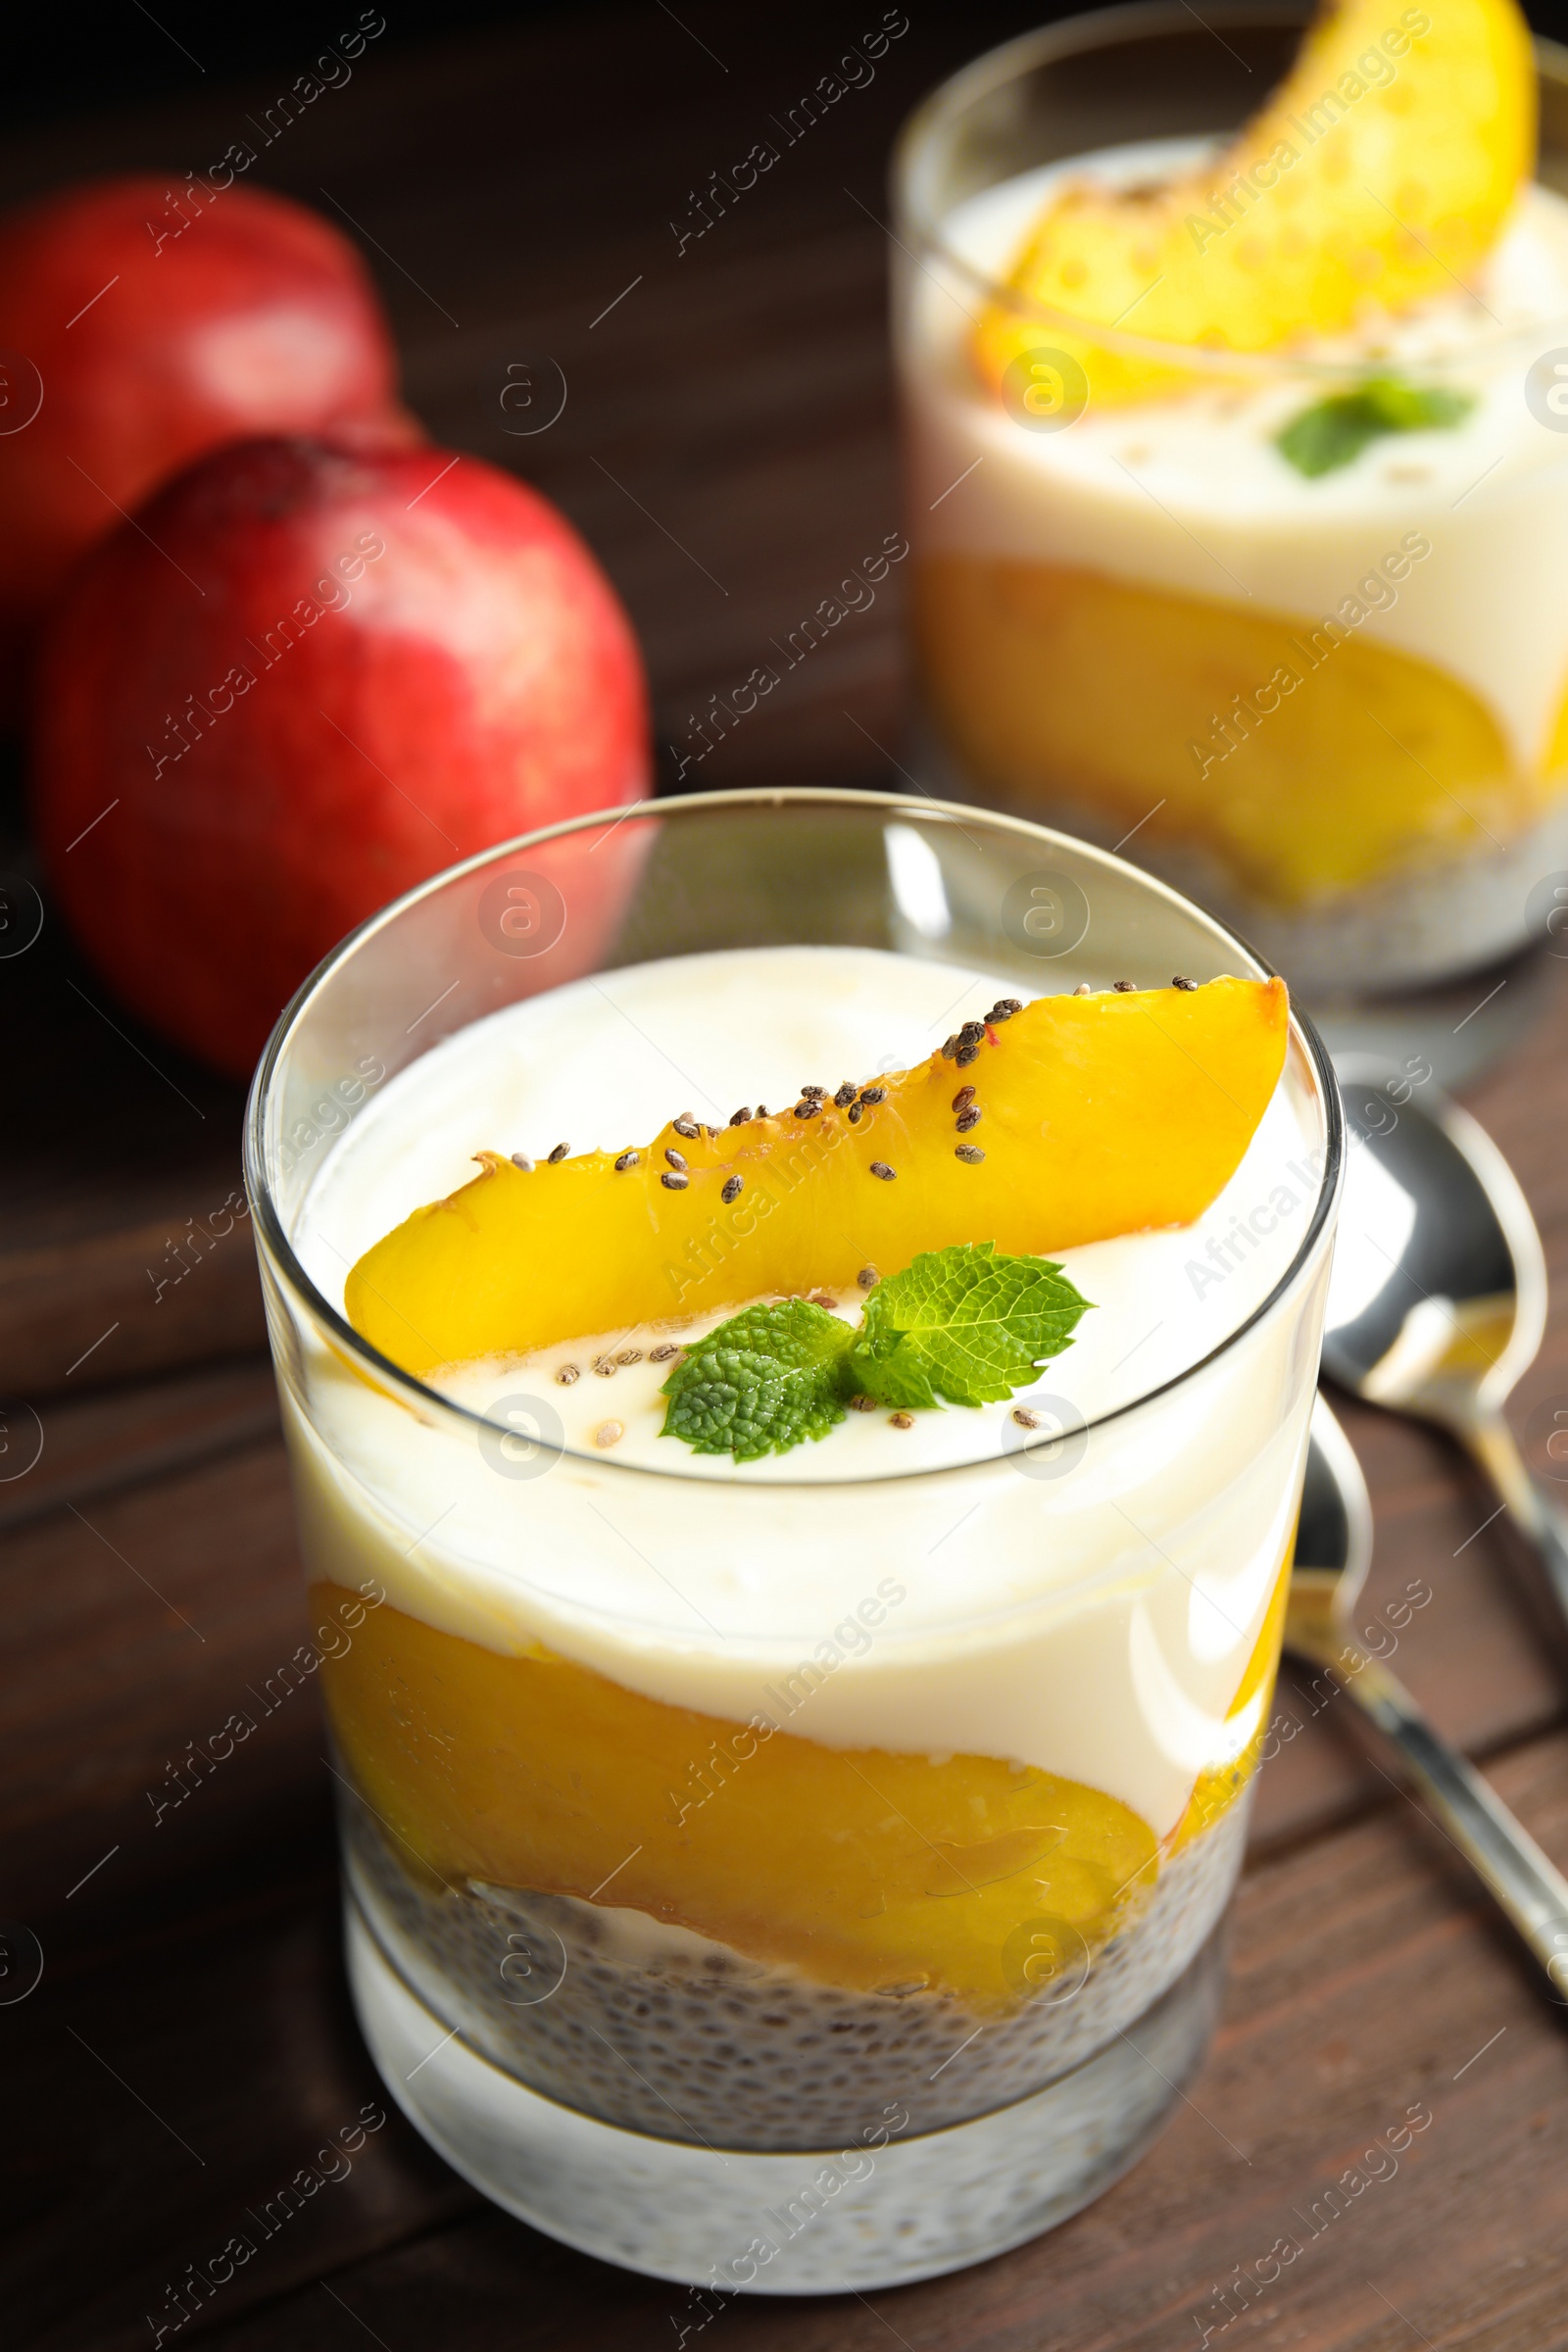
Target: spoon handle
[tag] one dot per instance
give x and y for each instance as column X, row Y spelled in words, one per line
column 1494, row 1445
column 1527, row 1885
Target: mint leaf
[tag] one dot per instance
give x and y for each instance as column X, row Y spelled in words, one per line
column 963, row 1323
column 1336, row 430
column 960, row 1323
column 762, row 1382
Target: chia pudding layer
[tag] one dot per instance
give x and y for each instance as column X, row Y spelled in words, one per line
column 1440, row 918
column 1433, row 922
column 657, row 2030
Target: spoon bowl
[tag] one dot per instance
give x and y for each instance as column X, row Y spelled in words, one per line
column 1438, row 1302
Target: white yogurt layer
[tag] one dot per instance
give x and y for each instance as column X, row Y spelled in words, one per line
column 1088, row 1610
column 1189, row 493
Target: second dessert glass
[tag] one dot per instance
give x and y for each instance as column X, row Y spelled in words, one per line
column 958, row 1992
column 1331, row 707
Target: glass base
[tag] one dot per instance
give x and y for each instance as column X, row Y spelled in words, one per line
column 805, row 2223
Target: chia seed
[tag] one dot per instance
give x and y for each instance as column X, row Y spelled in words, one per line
column 971, row 1033
column 662, row 1352
column 674, row 1180
column 902, row 1420
column 687, row 1126
column 1124, row 988
column 968, row 1118
column 630, row 1355
column 521, row 1159
column 862, row 1404
column 627, row 1160
column 964, row 1055
column 950, row 1048
column 609, row 1433
column 846, row 1095
column 676, row 1159
column 963, row 1098
column 733, row 1187
column 559, row 1153
column 1181, row 981
column 869, row 1278
column 740, row 1117
column 1083, row 989
column 971, row 1152
column 566, row 1375
column 879, row 1167
column 1003, row 1008
column 857, row 1114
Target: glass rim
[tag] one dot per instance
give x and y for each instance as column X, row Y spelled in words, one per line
column 407, row 1388
column 1107, row 28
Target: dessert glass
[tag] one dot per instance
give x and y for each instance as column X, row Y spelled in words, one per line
column 1005, row 1973
column 1332, row 708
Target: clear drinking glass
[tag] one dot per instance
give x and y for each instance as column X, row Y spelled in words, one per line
column 693, row 2107
column 1330, row 709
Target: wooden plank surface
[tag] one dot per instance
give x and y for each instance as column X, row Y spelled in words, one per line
column 726, row 446
column 213, row 2060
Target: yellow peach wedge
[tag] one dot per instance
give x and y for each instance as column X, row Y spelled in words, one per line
column 1377, row 176
column 1064, row 1121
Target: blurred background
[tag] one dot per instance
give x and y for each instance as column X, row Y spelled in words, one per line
column 517, row 183
column 525, row 189
column 544, row 198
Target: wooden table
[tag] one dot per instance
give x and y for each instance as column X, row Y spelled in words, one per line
column 726, row 447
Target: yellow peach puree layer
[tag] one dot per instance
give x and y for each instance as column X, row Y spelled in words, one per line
column 1321, row 763
column 861, row 1868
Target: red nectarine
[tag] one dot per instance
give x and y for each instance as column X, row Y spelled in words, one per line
column 133, row 344
column 302, row 680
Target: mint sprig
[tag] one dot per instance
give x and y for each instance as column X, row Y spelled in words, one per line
column 1335, row 431
column 961, row 1323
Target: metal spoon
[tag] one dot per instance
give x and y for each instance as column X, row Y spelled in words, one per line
column 1333, row 1554
column 1439, row 1298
